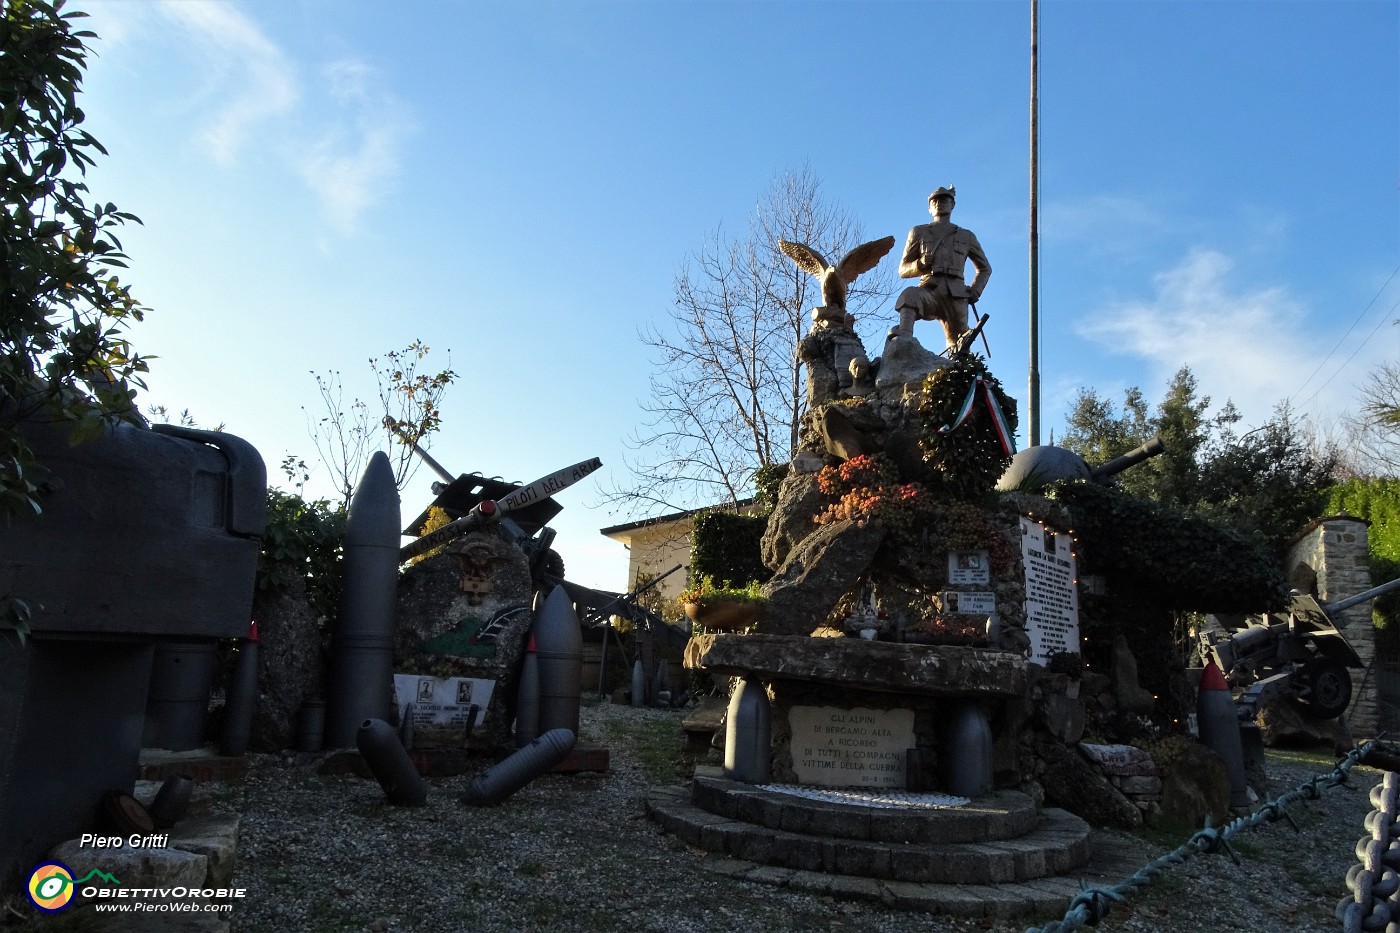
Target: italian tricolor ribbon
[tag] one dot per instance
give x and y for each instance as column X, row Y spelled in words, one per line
column 1003, row 430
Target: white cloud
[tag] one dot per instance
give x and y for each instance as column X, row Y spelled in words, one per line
column 355, row 158
column 341, row 135
column 1250, row 345
column 259, row 80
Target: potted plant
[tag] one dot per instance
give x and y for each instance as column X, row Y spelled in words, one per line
column 725, row 608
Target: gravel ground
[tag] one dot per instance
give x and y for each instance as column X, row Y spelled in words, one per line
column 577, row 853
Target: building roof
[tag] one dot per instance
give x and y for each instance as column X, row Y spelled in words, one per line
column 675, row 517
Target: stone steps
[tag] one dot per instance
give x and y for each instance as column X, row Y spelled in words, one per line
column 1045, row 898
column 998, row 816
column 1038, row 873
column 1057, row 845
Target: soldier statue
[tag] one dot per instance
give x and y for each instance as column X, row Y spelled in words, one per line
column 937, row 253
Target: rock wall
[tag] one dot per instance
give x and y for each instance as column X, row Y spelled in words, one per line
column 291, row 664
column 476, row 632
column 1332, row 559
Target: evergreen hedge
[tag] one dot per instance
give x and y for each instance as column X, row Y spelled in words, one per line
column 727, row 547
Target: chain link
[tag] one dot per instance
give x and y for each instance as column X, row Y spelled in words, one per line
column 1093, row 904
column 1374, row 885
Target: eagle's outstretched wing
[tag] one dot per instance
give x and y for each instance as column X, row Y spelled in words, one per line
column 861, row 259
column 807, row 259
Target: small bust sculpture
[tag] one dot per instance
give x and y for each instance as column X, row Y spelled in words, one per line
column 936, row 254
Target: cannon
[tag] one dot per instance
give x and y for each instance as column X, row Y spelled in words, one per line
column 1300, row 653
column 1036, row 467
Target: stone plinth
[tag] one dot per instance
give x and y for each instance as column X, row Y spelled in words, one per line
column 854, row 663
column 856, row 713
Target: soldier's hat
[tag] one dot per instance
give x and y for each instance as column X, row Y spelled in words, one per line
column 950, row 192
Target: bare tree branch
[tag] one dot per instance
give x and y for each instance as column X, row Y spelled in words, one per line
column 727, row 394
column 1373, row 432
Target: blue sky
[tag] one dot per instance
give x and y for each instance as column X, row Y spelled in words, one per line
column 325, row 180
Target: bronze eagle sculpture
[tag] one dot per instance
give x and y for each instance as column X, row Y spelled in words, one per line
column 834, row 279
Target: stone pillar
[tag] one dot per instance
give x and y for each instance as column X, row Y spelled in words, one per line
column 1332, row 559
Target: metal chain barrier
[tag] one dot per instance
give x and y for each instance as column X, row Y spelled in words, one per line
column 1094, row 904
column 1374, row 885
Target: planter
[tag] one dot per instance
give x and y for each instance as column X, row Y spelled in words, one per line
column 724, row 615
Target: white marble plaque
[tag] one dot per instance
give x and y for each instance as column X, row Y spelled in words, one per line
column 968, row 567
column 970, row 602
column 860, row 747
column 1052, row 598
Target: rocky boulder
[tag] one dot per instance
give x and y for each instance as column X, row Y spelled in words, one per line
column 905, row 360
column 1195, row 784
column 1062, row 717
column 469, row 611
column 1072, row 783
column 793, row 518
column 1282, row 722
column 1132, row 698
column 817, row 572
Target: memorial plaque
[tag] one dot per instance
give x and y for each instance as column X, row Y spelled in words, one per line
column 968, row 567
column 1052, row 598
column 833, row 747
column 442, row 706
column 970, row 602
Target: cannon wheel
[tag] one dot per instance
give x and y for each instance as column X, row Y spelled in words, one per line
column 1328, row 687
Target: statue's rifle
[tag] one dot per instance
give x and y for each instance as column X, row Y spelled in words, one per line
column 491, row 510
column 966, row 340
column 981, row 322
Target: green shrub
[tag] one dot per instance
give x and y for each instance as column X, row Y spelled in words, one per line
column 1167, row 558
column 303, row 541
column 727, row 547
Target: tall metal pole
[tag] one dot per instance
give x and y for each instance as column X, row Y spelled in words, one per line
column 1033, row 405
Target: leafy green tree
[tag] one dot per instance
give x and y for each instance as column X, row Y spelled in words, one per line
column 1266, row 483
column 62, row 306
column 1098, row 434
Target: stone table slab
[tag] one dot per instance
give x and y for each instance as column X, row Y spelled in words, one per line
column 929, row 670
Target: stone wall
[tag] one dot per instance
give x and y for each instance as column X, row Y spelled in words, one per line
column 1332, row 560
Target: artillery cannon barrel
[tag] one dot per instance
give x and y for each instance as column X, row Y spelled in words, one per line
column 1344, row 604
column 433, row 465
column 1132, row 458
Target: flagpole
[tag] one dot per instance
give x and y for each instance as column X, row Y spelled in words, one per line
column 1033, row 404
